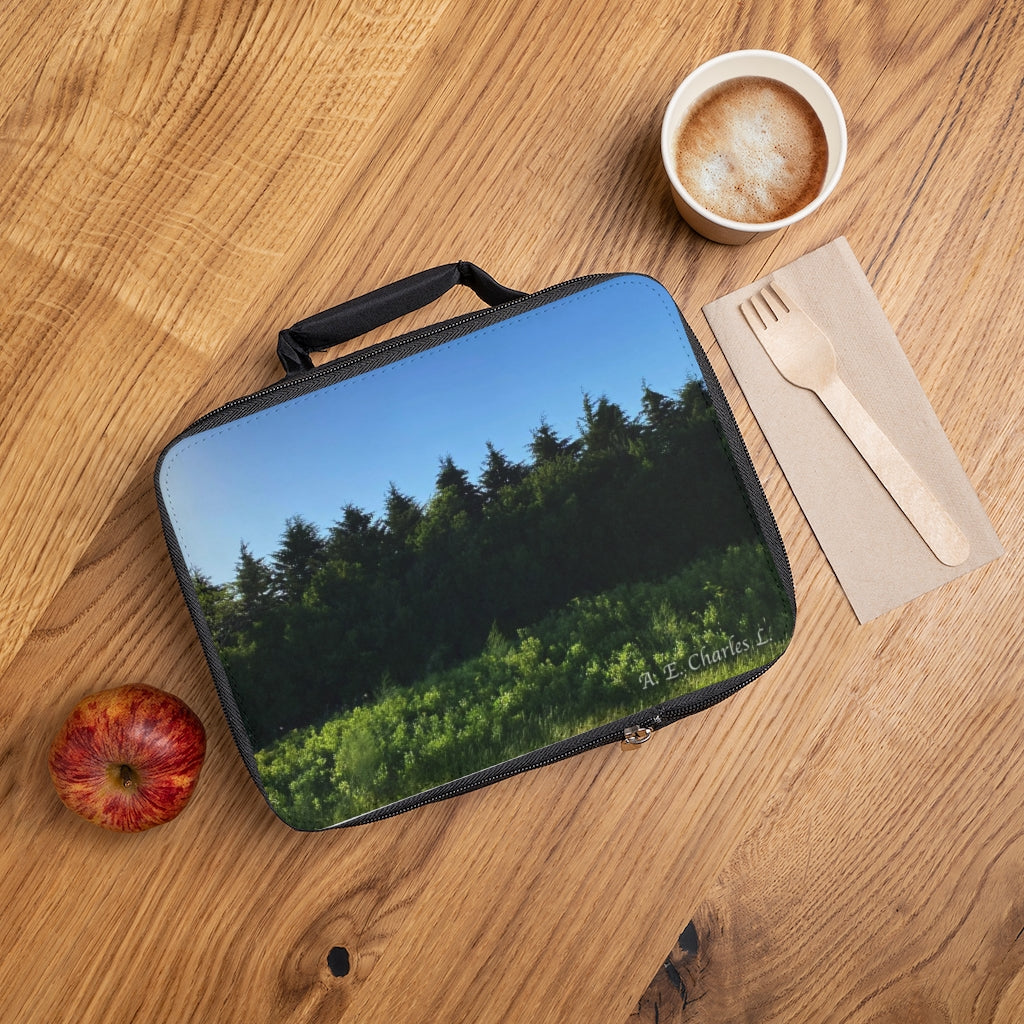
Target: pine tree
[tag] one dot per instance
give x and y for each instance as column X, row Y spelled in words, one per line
column 402, row 514
column 499, row 472
column 298, row 557
column 604, row 426
column 254, row 585
column 657, row 409
column 454, row 485
column 354, row 538
column 546, row 445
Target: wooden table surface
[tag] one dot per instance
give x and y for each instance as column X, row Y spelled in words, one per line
column 842, row 842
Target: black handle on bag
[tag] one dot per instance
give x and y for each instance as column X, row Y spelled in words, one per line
column 374, row 309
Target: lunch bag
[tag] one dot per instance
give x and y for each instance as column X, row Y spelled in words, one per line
column 474, row 549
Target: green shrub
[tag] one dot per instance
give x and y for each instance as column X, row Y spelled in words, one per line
column 595, row 660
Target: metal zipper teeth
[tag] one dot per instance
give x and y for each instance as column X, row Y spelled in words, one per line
column 468, row 787
column 362, row 355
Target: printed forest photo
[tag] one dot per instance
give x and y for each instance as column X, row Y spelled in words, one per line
column 484, row 550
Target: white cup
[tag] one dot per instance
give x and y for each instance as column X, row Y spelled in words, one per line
column 762, row 64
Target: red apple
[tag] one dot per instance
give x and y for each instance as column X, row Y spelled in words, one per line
column 128, row 758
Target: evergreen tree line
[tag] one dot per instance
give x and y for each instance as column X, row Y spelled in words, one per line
column 334, row 618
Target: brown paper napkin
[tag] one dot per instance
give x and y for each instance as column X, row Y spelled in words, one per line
column 878, row 557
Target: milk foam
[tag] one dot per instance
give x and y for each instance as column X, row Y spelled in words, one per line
column 752, row 150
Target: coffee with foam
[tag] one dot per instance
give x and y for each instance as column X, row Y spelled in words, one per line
column 752, row 150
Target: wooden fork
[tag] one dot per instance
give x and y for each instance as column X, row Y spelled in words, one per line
column 803, row 354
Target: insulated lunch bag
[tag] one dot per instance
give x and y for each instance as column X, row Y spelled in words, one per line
column 473, row 549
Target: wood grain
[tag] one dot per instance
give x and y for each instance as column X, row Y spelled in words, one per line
column 182, row 179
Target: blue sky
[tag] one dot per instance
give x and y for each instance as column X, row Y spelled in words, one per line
column 348, row 443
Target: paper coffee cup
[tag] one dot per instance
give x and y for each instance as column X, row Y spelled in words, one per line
column 750, row 64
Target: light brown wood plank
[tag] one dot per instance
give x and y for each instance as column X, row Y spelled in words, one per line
column 183, row 180
column 163, row 169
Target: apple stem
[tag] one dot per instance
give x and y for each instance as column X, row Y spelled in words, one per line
column 127, row 776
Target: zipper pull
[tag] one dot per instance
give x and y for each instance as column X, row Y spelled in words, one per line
column 635, row 735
